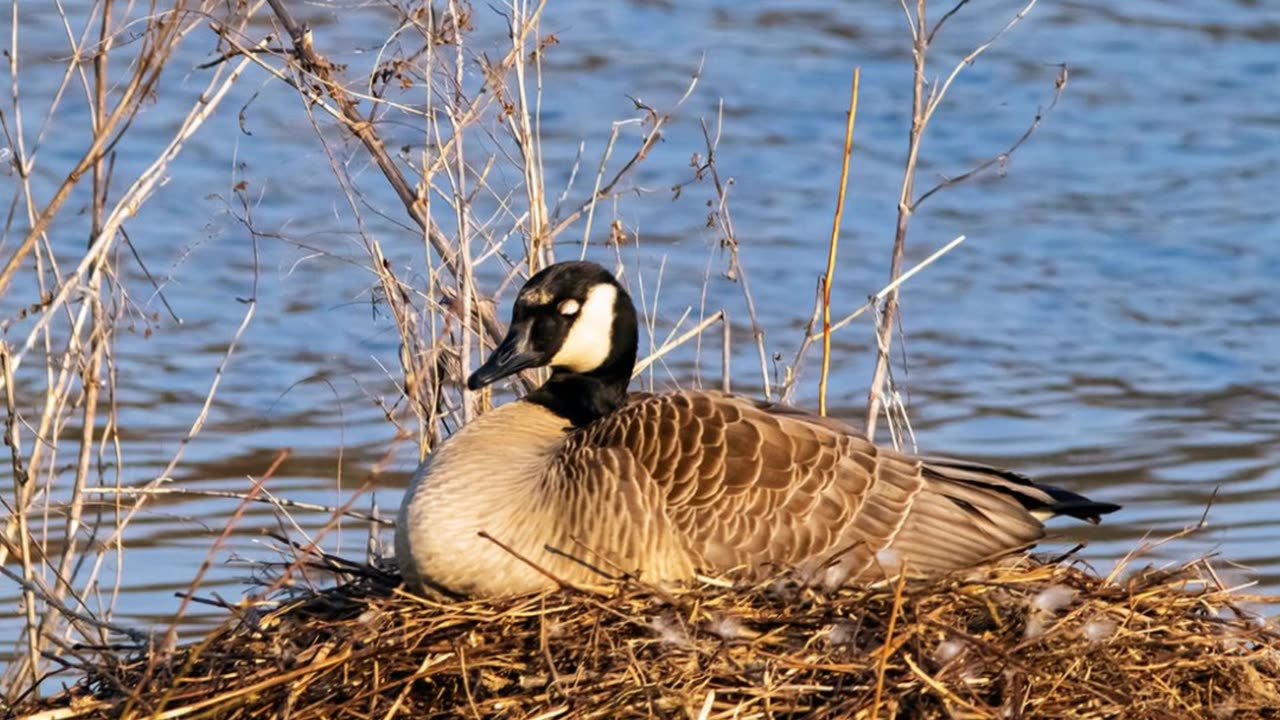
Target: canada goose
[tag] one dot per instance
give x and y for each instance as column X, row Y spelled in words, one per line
column 676, row 483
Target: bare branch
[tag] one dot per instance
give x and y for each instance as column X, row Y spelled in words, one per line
column 1003, row 158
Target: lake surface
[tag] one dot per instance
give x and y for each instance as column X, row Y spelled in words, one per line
column 1111, row 325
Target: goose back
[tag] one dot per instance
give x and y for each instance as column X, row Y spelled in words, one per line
column 758, row 487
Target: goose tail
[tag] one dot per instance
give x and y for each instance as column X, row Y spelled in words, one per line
column 1042, row 501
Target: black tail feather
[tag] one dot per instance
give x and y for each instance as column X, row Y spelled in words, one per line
column 1033, row 496
column 1077, row 506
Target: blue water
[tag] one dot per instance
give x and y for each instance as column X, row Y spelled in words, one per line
column 1111, row 325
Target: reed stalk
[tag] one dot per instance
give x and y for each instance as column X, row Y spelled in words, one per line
column 834, row 245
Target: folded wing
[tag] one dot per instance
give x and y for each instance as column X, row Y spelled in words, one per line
column 736, row 484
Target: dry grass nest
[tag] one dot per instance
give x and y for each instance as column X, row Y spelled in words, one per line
column 1030, row 638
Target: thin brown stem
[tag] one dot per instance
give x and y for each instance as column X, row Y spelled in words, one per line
column 22, row 487
column 883, row 660
column 1003, row 158
column 884, row 331
column 923, row 107
column 99, row 329
column 834, row 245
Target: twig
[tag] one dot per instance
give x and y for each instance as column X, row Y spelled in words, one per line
column 99, row 327
column 922, row 110
column 270, row 500
column 729, row 241
column 884, row 331
column 21, row 496
column 684, row 337
column 1059, row 84
column 945, row 17
column 835, row 242
column 560, row 582
column 895, row 284
column 888, row 648
column 726, row 351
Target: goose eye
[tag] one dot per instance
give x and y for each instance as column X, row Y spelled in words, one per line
column 569, row 307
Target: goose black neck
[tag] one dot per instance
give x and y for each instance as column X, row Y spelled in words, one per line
column 579, row 398
column 583, row 397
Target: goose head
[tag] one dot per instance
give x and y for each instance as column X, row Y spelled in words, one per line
column 575, row 318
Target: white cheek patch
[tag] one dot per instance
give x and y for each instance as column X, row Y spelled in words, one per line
column 588, row 342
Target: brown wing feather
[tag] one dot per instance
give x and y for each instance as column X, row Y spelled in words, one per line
column 731, row 482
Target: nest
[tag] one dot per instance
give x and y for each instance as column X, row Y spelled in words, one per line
column 1030, row 638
